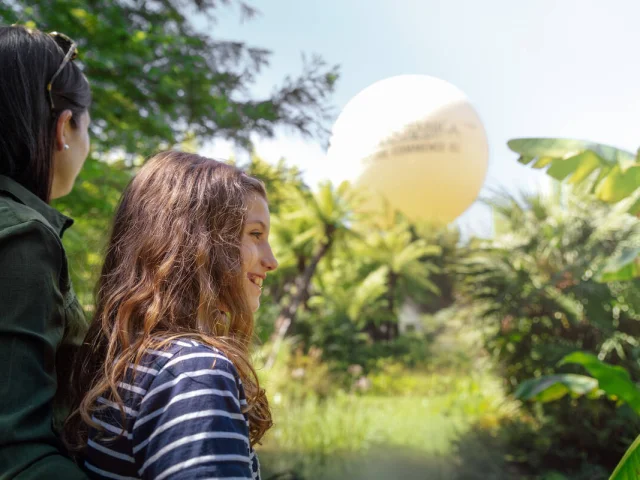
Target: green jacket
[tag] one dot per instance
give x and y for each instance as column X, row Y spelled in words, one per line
column 41, row 324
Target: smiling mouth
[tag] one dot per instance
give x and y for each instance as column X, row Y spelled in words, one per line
column 256, row 280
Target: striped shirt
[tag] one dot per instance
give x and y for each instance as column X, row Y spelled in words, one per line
column 183, row 420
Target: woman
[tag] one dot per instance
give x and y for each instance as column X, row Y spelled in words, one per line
column 164, row 383
column 44, row 141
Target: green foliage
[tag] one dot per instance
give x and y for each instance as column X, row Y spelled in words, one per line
column 91, row 203
column 553, row 387
column 534, row 289
column 519, row 447
column 404, row 257
column 629, row 466
column 611, row 174
column 160, row 78
column 611, row 379
column 394, row 379
column 623, row 267
column 339, row 435
column 281, row 181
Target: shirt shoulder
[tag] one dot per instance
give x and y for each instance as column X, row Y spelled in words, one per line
column 193, row 408
column 32, row 257
column 188, row 354
column 14, row 213
column 179, row 364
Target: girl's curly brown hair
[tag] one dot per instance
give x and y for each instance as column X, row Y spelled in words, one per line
column 173, row 259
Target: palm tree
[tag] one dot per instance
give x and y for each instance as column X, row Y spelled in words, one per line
column 322, row 221
column 535, row 283
column 343, row 302
column 404, row 261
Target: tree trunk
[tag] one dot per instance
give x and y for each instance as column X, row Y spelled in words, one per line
column 392, row 323
column 288, row 313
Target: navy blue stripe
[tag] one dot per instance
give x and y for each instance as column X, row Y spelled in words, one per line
column 184, row 420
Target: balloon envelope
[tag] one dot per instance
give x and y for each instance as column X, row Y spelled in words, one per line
column 414, row 142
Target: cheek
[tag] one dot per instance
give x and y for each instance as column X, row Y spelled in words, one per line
column 249, row 256
column 86, row 143
column 80, row 152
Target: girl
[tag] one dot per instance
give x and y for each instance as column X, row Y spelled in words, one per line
column 44, row 142
column 165, row 387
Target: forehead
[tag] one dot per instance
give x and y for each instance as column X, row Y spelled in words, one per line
column 257, row 208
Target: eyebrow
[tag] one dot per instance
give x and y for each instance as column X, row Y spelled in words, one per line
column 259, row 222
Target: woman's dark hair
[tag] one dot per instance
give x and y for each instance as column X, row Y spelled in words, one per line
column 28, row 60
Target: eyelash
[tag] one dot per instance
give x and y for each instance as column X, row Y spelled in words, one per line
column 258, row 235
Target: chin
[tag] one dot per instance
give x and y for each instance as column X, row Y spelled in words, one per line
column 255, row 305
column 61, row 192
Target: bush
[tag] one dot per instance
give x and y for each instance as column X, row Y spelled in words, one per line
column 536, row 298
column 344, row 344
column 512, row 450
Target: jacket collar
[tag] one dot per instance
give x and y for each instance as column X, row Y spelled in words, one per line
column 57, row 220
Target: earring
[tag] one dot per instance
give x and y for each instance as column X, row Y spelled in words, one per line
column 66, row 147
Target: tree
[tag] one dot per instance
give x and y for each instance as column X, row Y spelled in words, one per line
column 281, row 181
column 535, row 282
column 343, row 302
column 92, row 204
column 402, row 260
column 613, row 175
column 159, row 77
column 324, row 219
column 283, row 184
column 537, row 299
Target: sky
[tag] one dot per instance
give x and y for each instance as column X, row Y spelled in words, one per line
column 543, row 68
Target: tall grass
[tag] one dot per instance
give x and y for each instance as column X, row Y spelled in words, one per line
column 415, row 416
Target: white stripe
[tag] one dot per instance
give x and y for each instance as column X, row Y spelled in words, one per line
column 195, row 344
column 159, row 353
column 182, row 376
column 142, row 369
column 195, row 461
column 184, row 396
column 186, row 417
column 108, row 451
column 190, row 439
column 256, row 472
column 130, row 411
column 112, row 429
column 108, row 474
column 183, row 344
column 194, row 355
column 132, row 388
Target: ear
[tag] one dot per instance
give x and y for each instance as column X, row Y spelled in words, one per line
column 63, row 124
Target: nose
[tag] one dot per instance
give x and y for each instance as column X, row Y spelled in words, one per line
column 269, row 261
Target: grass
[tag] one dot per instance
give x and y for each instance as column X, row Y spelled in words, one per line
column 401, row 433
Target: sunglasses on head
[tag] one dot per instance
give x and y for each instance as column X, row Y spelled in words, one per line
column 70, row 50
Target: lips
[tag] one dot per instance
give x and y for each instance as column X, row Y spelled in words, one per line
column 256, row 279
